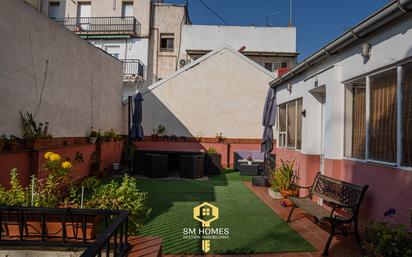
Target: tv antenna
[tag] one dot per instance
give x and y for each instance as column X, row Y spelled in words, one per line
column 290, row 14
column 268, row 24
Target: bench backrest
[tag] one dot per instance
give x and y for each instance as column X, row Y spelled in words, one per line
column 338, row 191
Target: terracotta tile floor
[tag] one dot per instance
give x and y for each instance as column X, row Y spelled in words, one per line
column 304, row 225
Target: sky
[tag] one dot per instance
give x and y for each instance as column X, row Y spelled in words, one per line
column 317, row 21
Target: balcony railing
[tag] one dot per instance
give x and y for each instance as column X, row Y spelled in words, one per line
column 134, row 67
column 96, row 231
column 101, row 25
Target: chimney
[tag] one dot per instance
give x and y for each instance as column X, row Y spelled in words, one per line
column 242, row 49
column 282, row 71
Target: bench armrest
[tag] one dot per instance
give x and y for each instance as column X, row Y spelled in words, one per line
column 300, row 187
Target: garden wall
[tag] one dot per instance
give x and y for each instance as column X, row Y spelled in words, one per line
column 226, row 149
column 54, row 74
column 82, row 157
column 389, row 188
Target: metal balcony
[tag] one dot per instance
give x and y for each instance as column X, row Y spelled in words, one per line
column 101, row 25
column 133, row 68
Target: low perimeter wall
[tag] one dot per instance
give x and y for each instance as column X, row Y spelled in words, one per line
column 226, row 149
column 82, row 156
column 389, row 188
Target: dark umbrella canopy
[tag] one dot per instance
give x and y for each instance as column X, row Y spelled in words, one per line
column 269, row 119
column 136, row 132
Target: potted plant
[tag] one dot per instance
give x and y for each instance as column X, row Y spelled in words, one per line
column 93, row 136
column 14, row 143
column 158, row 132
column 36, row 135
column 3, row 141
column 213, row 162
column 282, row 179
column 382, row 239
column 220, row 138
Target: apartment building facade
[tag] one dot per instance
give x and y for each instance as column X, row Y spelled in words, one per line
column 153, row 39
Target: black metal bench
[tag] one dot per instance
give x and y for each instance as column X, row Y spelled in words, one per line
column 344, row 200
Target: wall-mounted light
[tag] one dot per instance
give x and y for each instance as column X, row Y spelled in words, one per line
column 304, row 113
column 366, row 50
column 289, row 88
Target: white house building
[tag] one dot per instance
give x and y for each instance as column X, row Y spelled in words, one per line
column 346, row 111
column 271, row 47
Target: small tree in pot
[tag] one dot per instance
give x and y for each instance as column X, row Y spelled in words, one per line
column 213, row 162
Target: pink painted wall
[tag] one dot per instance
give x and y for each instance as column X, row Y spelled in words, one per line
column 30, row 162
column 81, row 169
column 16, row 159
column 225, row 149
column 388, row 187
column 110, row 152
column 221, row 148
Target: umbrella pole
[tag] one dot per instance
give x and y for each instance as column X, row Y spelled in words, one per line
column 129, row 139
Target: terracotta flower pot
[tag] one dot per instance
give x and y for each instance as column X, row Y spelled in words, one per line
column 286, row 193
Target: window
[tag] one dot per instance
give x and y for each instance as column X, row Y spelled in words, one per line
column 275, row 65
column 355, row 122
column 166, row 42
column 282, row 125
column 113, row 51
column 83, row 15
column 379, row 134
column 382, row 120
column 407, row 115
column 127, row 9
column 54, row 10
column 290, row 124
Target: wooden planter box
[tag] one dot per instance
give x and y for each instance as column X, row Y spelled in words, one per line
column 213, row 164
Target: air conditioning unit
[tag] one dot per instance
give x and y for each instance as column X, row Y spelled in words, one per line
column 182, row 62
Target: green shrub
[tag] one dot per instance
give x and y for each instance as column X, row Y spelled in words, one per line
column 283, row 176
column 387, row 240
column 212, row 150
column 17, row 195
column 122, row 196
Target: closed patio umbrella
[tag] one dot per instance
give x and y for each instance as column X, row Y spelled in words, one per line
column 269, row 120
column 136, row 132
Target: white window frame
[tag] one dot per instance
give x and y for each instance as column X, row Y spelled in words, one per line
column 283, row 135
column 399, row 102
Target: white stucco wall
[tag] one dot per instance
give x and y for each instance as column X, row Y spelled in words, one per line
column 223, row 93
column 48, row 70
column 259, row 39
column 130, row 48
column 391, row 45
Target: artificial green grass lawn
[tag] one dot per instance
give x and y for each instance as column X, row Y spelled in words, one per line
column 254, row 228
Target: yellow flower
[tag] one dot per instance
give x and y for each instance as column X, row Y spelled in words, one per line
column 55, row 157
column 66, row 165
column 47, row 155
